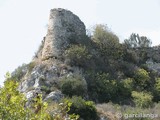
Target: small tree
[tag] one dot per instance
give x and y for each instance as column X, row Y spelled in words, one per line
column 103, row 89
column 107, row 41
column 141, row 79
column 12, row 102
column 73, row 85
column 157, row 85
column 13, row 106
column 157, row 90
column 141, row 99
column 85, row 109
column 78, row 55
column 125, row 87
column 102, row 34
column 136, row 41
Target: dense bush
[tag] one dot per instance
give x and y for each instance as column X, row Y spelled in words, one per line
column 73, row 85
column 156, row 90
column 12, row 104
column 102, row 34
column 78, row 55
column 101, row 88
column 157, row 85
column 85, row 109
column 142, row 99
column 141, row 79
column 117, row 73
column 131, row 56
column 125, row 88
column 107, row 41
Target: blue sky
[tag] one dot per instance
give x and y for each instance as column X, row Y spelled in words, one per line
column 23, row 23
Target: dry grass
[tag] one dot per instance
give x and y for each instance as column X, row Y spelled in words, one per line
column 112, row 111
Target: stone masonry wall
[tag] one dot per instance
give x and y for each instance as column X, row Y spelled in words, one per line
column 63, row 27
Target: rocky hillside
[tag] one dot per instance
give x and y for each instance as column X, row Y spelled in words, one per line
column 48, row 66
column 97, row 68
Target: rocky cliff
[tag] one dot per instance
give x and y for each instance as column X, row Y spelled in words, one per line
column 48, row 66
column 100, row 67
column 63, row 27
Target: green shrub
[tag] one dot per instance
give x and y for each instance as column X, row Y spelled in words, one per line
column 156, row 90
column 103, row 89
column 18, row 73
column 73, row 85
column 141, row 79
column 78, row 55
column 131, row 56
column 60, row 111
column 85, row 109
column 142, row 99
column 125, row 88
column 107, row 42
column 12, row 104
column 157, row 85
column 102, row 34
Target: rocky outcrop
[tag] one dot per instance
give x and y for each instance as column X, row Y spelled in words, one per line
column 50, row 65
column 54, row 96
column 63, row 28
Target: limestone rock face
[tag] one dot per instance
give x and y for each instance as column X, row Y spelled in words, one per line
column 64, row 27
column 54, row 96
column 44, row 73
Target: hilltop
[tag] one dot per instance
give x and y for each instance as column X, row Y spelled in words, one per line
column 98, row 68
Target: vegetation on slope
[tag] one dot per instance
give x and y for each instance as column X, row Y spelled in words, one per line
column 114, row 72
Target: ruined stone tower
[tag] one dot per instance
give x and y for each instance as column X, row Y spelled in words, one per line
column 63, row 28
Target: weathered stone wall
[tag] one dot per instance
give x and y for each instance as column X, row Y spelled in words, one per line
column 63, row 28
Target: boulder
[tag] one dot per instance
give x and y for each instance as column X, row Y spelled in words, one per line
column 54, row 96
